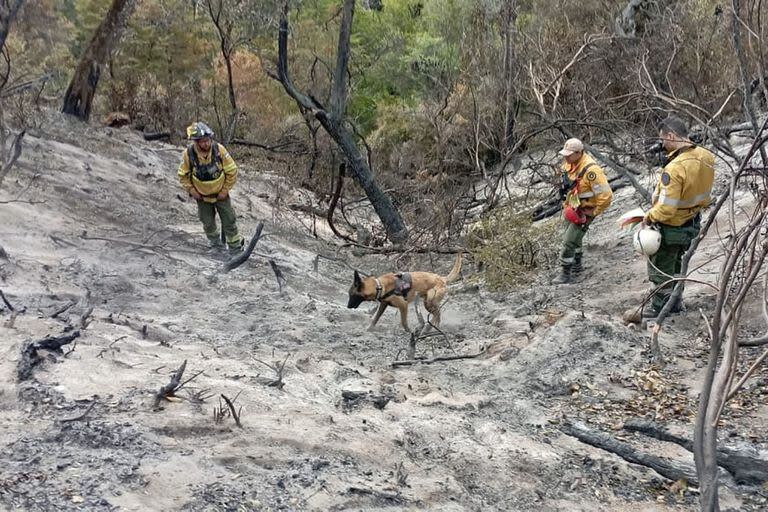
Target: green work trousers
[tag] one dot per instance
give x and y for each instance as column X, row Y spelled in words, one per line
column 666, row 263
column 573, row 237
column 207, row 213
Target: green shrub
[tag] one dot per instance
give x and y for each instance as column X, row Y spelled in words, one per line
column 510, row 248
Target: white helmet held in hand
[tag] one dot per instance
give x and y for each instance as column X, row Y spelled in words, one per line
column 647, row 241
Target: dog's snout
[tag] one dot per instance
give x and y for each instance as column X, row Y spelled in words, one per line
column 354, row 301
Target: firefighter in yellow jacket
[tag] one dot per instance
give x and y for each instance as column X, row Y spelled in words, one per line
column 208, row 173
column 682, row 192
column 587, row 194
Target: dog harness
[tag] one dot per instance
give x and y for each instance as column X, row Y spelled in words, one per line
column 403, row 284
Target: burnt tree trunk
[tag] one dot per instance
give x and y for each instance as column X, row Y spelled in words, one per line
column 227, row 46
column 510, row 93
column 82, row 88
column 333, row 121
column 8, row 11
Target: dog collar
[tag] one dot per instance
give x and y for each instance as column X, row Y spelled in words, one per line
column 378, row 288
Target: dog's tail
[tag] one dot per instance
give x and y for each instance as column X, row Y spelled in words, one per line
column 455, row 271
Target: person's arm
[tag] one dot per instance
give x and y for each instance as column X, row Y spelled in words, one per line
column 603, row 192
column 185, row 176
column 229, row 168
column 666, row 205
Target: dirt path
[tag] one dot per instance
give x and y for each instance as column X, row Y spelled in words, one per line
column 476, row 434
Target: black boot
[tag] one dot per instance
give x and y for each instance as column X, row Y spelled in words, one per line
column 577, row 268
column 566, row 272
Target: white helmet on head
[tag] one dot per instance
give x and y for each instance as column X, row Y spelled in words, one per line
column 647, row 241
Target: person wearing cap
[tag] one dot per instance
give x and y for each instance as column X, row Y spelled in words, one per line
column 682, row 192
column 587, row 194
column 208, row 173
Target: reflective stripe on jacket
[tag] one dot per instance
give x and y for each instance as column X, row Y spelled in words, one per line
column 684, row 187
column 593, row 190
column 208, row 189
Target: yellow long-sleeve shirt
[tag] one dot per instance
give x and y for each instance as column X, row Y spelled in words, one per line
column 593, row 190
column 684, row 188
column 223, row 180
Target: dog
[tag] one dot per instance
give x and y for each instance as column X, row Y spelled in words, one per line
column 401, row 289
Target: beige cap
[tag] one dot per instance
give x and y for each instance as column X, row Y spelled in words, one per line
column 571, row 146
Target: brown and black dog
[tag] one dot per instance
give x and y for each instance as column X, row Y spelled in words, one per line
column 401, row 289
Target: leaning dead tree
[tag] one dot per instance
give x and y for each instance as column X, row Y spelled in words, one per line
column 744, row 253
column 746, row 247
column 228, row 42
column 333, row 121
column 82, row 88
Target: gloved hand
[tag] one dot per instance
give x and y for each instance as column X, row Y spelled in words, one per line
column 222, row 195
column 195, row 194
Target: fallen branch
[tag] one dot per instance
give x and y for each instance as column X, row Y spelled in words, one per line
column 277, row 148
column 410, row 362
column 389, row 497
column 79, row 416
column 30, row 358
column 157, row 136
column 352, row 398
column 746, row 468
column 62, row 309
column 243, row 257
column 666, row 468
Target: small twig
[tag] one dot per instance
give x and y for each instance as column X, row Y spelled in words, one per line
column 109, row 347
column 5, row 301
column 74, row 345
column 62, row 309
column 15, row 153
column 437, row 359
column 85, row 319
column 79, row 416
column 281, row 280
column 235, row 414
column 277, row 368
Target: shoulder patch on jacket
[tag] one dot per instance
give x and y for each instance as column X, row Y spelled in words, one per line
column 665, row 179
column 591, row 176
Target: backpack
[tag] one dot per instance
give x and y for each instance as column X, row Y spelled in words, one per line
column 209, row 171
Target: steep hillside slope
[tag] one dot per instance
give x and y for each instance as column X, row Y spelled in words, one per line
column 96, row 221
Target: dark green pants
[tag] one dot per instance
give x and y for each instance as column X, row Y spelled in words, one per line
column 573, row 237
column 207, row 213
column 667, row 261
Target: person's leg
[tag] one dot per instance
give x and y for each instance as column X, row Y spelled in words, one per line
column 662, row 267
column 206, row 212
column 229, row 224
column 572, row 240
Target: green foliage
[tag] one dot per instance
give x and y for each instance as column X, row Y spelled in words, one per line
column 509, row 247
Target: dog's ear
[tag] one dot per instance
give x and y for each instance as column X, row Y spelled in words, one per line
column 358, row 282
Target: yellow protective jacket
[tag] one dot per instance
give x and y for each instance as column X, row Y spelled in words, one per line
column 592, row 190
column 684, row 187
column 206, row 176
